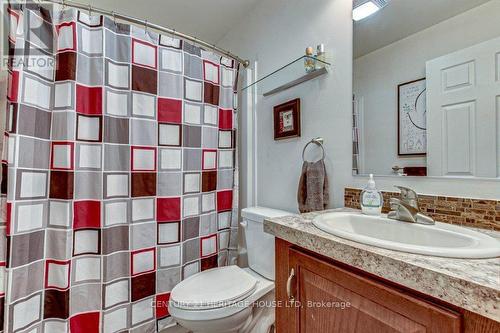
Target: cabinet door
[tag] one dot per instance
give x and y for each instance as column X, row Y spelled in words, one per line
column 335, row 300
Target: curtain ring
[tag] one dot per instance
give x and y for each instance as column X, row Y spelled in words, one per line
column 114, row 16
column 145, row 27
column 90, row 10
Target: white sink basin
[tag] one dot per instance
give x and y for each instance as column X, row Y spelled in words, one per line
column 441, row 239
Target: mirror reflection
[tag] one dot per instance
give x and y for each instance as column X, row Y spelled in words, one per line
column 426, row 88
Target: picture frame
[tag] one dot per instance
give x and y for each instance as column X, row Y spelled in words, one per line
column 412, row 125
column 287, row 120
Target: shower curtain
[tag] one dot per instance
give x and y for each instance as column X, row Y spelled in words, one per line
column 119, row 175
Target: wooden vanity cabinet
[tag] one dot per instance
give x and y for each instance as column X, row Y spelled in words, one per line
column 315, row 294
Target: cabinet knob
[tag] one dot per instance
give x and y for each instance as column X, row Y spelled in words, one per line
column 289, row 286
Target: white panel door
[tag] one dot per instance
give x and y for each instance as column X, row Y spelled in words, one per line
column 463, row 112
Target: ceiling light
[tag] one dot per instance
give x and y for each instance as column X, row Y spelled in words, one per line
column 365, row 10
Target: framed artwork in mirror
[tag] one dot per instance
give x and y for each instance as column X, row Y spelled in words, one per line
column 287, row 120
column 412, row 118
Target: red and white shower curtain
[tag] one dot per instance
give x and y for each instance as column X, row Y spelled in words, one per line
column 119, row 174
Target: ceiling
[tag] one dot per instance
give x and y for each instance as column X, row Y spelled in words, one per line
column 208, row 20
column 402, row 18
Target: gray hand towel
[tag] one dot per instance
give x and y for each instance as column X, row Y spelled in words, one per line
column 313, row 193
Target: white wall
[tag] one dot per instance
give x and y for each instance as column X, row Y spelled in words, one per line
column 276, row 32
column 377, row 74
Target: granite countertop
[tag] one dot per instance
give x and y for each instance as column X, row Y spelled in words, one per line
column 472, row 284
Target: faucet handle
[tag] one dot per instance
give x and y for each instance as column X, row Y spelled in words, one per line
column 408, row 195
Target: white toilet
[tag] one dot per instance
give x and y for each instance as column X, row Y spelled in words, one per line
column 232, row 299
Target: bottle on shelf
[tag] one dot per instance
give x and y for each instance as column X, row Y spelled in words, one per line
column 321, row 56
column 309, row 61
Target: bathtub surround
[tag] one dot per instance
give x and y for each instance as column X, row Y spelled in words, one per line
column 118, row 180
column 469, row 284
column 469, row 212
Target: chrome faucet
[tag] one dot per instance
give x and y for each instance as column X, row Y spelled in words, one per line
column 406, row 209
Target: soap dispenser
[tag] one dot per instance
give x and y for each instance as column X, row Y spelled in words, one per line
column 371, row 199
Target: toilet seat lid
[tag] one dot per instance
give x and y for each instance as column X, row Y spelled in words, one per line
column 213, row 288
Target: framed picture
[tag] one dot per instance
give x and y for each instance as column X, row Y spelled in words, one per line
column 287, row 120
column 412, row 118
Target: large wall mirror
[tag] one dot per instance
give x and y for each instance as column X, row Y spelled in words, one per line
column 426, row 88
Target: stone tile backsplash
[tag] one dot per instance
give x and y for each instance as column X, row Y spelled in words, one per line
column 468, row 212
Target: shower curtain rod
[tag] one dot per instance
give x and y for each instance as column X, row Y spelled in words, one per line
column 146, row 24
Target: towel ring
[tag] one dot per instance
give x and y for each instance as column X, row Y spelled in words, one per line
column 318, row 141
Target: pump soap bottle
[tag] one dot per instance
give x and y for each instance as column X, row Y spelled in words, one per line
column 371, row 199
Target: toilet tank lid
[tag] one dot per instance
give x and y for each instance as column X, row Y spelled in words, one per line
column 258, row 214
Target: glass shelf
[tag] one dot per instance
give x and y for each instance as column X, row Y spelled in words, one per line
column 290, row 75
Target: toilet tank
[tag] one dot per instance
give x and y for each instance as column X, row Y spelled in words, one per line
column 260, row 245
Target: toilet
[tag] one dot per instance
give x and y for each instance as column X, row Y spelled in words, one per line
column 232, row 299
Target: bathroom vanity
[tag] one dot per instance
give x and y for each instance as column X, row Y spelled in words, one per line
column 325, row 283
